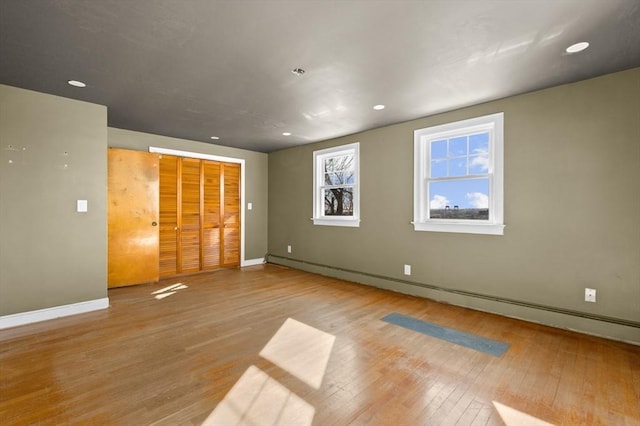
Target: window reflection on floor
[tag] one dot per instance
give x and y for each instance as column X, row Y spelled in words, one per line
column 512, row 417
column 258, row 399
column 301, row 350
column 168, row 291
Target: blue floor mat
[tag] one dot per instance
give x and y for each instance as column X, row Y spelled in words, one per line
column 488, row 346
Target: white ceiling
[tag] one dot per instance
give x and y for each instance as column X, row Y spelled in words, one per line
column 197, row 68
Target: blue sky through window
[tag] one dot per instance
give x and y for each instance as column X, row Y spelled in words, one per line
column 458, row 176
column 459, row 157
column 466, row 194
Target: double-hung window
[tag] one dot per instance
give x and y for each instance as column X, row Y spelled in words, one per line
column 458, row 176
column 336, row 186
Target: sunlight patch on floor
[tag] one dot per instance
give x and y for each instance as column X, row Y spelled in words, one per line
column 512, row 417
column 258, row 399
column 300, row 350
column 168, row 291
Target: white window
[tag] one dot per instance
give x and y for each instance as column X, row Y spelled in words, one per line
column 336, row 186
column 458, row 177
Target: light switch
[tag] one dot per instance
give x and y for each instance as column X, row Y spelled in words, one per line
column 82, row 206
column 249, row 206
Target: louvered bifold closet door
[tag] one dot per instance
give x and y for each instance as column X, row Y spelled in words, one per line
column 199, row 215
column 169, row 207
column 211, row 215
column 231, row 236
column 190, row 217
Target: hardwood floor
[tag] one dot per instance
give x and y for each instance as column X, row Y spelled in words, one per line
column 171, row 359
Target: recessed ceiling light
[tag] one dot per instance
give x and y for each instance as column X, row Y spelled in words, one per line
column 577, row 47
column 286, row 134
column 378, row 107
column 76, row 83
column 298, row 71
column 215, row 138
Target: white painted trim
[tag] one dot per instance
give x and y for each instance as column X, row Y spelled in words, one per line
column 252, row 262
column 318, row 207
column 354, row 223
column 243, row 207
column 199, row 155
column 463, row 228
column 23, row 318
column 494, row 123
column 211, row 157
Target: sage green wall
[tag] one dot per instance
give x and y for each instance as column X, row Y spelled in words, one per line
column 572, row 212
column 50, row 255
column 256, row 178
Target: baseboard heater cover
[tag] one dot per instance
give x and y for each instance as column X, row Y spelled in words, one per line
column 586, row 315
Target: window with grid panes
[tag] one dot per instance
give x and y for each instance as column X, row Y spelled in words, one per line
column 458, row 176
column 336, row 186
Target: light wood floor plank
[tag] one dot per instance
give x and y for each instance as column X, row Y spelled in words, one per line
column 173, row 360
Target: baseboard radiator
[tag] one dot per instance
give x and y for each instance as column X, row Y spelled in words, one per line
column 285, row 261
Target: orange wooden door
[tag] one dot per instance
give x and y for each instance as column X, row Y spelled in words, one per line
column 169, row 211
column 211, row 229
column 189, row 229
column 133, row 184
column 231, row 215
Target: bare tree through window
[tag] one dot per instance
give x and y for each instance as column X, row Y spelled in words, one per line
column 336, row 186
column 339, row 179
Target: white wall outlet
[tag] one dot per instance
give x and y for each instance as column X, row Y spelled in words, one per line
column 590, row 295
column 249, row 206
column 407, row 269
column 289, row 249
column 82, row 206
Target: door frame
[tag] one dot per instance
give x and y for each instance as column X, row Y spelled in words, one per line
column 201, row 156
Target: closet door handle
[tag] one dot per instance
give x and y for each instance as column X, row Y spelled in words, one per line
column 154, row 223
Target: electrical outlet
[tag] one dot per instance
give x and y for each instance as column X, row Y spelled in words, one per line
column 590, row 295
column 289, row 249
column 407, row 269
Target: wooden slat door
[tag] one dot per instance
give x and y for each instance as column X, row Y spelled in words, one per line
column 189, row 230
column 231, row 235
column 211, row 250
column 133, row 183
column 169, row 208
column 199, row 215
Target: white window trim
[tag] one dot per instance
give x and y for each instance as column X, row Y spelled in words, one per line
column 318, row 201
column 422, row 138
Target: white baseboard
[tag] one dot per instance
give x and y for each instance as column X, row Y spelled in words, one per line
column 252, row 262
column 22, row 318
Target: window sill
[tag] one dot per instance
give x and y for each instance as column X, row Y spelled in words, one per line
column 354, row 223
column 462, row 228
